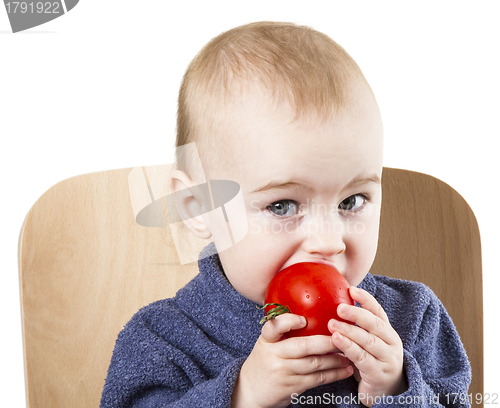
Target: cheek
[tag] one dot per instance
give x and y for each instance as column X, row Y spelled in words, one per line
column 252, row 263
column 361, row 247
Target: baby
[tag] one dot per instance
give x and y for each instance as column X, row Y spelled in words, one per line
column 286, row 113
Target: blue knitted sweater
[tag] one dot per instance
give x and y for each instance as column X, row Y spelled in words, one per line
column 187, row 351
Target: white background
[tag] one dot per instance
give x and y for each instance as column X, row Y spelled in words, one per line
column 96, row 90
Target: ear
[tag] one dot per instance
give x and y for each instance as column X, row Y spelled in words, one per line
column 190, row 204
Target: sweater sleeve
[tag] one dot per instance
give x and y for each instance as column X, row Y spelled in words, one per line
column 435, row 363
column 148, row 371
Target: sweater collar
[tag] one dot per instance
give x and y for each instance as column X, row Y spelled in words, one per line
column 369, row 284
column 222, row 312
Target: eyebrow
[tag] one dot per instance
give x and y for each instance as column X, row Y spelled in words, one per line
column 277, row 185
column 373, row 179
column 293, row 185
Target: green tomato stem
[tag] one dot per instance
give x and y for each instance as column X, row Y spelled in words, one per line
column 275, row 311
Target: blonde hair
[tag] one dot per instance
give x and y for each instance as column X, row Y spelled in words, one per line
column 298, row 65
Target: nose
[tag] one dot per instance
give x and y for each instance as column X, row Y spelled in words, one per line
column 324, row 236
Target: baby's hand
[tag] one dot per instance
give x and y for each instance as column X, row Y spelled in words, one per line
column 277, row 367
column 373, row 346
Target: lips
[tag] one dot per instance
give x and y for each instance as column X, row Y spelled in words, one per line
column 313, row 260
column 322, row 261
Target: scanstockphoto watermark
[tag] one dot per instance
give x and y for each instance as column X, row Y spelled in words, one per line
column 309, row 228
column 312, row 208
column 28, row 14
column 351, row 399
column 323, row 219
column 454, row 398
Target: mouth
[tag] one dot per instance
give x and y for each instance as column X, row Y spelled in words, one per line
column 323, row 262
column 315, row 260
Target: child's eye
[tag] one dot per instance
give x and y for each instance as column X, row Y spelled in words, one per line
column 283, row 208
column 353, row 203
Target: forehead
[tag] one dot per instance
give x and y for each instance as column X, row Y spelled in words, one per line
column 258, row 137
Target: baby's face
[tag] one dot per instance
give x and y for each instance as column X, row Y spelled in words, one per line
column 312, row 191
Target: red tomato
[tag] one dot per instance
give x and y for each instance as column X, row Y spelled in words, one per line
column 311, row 290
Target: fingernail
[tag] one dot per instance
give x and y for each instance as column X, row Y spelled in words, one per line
column 303, row 321
column 341, row 309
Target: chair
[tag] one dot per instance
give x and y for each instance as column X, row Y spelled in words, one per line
column 86, row 266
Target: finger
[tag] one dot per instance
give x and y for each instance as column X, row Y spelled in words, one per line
column 299, row 347
column 366, row 340
column 325, row 377
column 369, row 322
column 311, row 364
column 368, row 302
column 359, row 356
column 274, row 329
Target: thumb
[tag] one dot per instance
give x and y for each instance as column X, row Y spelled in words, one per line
column 274, row 329
column 356, row 373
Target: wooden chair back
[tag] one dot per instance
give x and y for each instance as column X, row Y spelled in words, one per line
column 86, row 266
